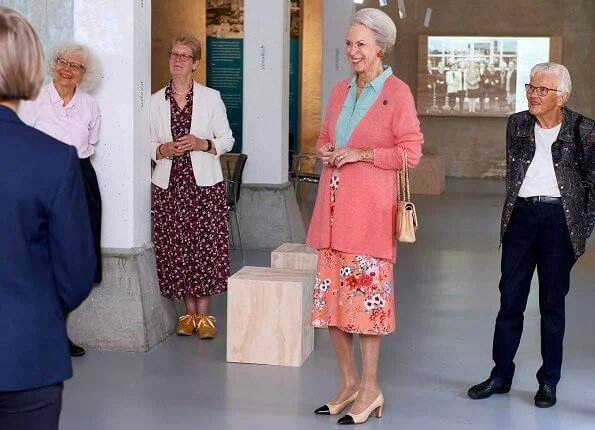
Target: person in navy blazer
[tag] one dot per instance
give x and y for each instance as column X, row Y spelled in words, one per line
column 47, row 259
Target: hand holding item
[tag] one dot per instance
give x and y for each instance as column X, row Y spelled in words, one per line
column 192, row 143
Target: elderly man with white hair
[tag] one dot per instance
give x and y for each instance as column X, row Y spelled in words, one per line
column 548, row 214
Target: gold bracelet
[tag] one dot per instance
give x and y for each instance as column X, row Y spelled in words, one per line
column 367, row 156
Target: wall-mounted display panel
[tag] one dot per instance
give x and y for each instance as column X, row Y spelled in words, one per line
column 479, row 75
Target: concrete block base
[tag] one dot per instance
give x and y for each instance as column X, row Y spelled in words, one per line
column 269, row 216
column 125, row 312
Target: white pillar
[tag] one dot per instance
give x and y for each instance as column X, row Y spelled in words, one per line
column 266, row 90
column 125, row 312
column 269, row 212
column 119, row 32
column 335, row 66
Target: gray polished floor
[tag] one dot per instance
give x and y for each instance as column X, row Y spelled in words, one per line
column 446, row 289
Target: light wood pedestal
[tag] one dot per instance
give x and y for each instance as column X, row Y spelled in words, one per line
column 294, row 256
column 268, row 316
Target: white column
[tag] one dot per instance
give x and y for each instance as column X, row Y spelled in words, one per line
column 266, row 91
column 119, row 33
column 126, row 312
column 335, row 66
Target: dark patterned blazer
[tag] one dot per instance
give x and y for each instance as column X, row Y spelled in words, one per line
column 573, row 154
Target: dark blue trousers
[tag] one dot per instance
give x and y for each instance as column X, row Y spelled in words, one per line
column 536, row 237
column 93, row 196
column 37, row 409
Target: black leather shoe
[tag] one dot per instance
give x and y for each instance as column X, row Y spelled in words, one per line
column 323, row 410
column 545, row 396
column 75, row 350
column 487, row 388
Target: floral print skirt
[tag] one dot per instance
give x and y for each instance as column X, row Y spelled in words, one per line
column 191, row 235
column 353, row 292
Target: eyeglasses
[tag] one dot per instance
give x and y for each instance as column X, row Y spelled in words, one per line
column 63, row 62
column 541, row 91
column 182, row 57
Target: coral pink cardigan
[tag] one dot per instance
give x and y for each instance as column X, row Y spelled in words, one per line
column 365, row 204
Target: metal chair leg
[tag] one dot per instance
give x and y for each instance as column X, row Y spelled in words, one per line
column 296, row 184
column 240, row 235
column 231, row 242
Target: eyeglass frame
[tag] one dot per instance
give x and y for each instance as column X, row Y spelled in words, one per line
column 184, row 58
column 63, row 62
column 530, row 89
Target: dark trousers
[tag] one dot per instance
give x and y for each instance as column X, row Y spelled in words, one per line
column 461, row 95
column 536, row 237
column 94, row 204
column 37, row 409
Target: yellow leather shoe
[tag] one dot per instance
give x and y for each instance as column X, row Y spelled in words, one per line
column 205, row 326
column 187, row 325
column 330, row 409
column 363, row 416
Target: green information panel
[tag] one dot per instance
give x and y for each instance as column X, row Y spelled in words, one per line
column 225, row 74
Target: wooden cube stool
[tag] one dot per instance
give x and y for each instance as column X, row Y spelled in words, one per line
column 268, row 316
column 294, row 256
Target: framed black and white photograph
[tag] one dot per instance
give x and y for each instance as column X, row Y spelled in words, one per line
column 225, row 18
column 476, row 76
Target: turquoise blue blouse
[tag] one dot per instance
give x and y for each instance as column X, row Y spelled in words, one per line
column 355, row 108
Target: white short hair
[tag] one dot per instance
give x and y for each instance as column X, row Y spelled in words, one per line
column 380, row 23
column 92, row 75
column 564, row 82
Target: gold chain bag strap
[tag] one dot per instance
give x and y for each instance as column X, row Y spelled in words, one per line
column 406, row 219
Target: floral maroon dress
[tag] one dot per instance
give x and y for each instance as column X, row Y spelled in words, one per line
column 190, row 227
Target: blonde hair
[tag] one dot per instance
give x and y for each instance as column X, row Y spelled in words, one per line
column 21, row 57
column 92, row 75
column 191, row 42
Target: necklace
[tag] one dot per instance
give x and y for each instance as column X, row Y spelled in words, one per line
column 178, row 92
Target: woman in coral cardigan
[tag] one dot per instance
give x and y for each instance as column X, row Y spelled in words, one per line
column 370, row 121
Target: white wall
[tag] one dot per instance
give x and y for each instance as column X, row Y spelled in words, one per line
column 51, row 19
column 335, row 66
column 119, row 32
column 266, row 91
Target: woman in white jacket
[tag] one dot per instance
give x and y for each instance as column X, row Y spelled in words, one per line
column 189, row 131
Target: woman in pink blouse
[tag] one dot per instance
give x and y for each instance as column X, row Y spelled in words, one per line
column 66, row 112
column 370, row 121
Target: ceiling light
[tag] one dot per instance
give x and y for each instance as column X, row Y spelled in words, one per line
column 428, row 17
column 401, row 6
